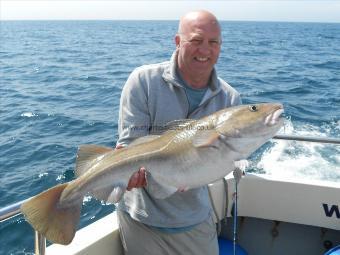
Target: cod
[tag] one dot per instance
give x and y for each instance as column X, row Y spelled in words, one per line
column 189, row 154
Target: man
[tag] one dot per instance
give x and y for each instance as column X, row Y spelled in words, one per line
column 184, row 87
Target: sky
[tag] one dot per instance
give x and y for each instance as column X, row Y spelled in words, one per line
column 247, row 10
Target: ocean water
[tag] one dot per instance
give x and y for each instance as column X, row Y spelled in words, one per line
column 60, row 83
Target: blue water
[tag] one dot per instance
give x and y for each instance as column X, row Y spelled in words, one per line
column 60, row 83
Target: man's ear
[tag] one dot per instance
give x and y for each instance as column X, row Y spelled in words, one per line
column 177, row 40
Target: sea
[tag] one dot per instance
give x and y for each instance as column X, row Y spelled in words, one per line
column 60, row 84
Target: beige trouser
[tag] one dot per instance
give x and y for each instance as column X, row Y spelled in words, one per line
column 138, row 239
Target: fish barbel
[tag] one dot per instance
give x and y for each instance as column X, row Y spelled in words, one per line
column 190, row 154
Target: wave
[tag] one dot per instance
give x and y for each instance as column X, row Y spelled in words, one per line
column 292, row 160
column 330, row 64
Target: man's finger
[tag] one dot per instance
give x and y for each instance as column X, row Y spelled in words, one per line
column 133, row 181
column 119, row 146
column 137, row 180
column 143, row 173
column 141, row 177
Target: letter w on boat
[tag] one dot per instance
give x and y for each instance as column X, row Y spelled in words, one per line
column 192, row 153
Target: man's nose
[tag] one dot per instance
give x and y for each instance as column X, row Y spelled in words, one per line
column 205, row 47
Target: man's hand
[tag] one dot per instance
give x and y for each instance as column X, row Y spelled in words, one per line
column 137, row 180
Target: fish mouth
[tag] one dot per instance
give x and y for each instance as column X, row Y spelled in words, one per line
column 274, row 117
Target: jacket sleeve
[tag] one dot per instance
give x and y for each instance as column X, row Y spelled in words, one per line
column 134, row 118
column 236, row 99
column 233, row 96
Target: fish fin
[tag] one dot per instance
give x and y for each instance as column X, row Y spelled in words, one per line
column 43, row 212
column 86, row 155
column 116, row 195
column 205, row 138
column 102, row 194
column 242, row 164
column 157, row 189
column 110, row 195
column 144, row 139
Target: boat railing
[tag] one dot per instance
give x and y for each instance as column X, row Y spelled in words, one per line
column 13, row 210
column 40, row 241
column 331, row 140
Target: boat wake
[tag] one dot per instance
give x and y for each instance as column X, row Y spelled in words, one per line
column 296, row 160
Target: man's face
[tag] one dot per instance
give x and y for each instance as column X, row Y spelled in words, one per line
column 199, row 46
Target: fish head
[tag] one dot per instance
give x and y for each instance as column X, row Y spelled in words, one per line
column 246, row 127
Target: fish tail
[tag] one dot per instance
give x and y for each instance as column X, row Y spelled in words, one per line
column 58, row 224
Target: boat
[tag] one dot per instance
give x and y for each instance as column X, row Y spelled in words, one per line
column 255, row 215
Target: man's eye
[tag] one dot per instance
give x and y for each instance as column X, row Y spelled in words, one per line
column 196, row 41
column 214, row 42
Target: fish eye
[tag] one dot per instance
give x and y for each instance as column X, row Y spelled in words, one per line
column 252, row 108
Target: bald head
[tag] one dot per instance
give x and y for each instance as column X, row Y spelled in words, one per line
column 198, row 45
column 193, row 18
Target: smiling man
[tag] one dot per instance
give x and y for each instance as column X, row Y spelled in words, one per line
column 198, row 45
column 185, row 87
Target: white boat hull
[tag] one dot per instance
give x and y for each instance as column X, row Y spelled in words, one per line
column 274, row 217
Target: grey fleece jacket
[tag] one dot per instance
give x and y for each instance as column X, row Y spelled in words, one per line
column 153, row 96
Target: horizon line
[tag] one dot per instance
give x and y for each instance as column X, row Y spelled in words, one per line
column 221, row 20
